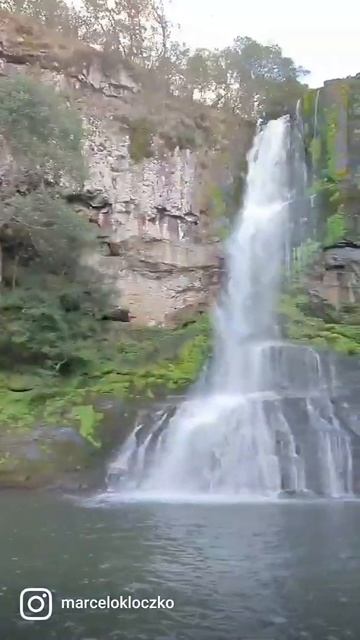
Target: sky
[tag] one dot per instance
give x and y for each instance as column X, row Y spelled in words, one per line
column 320, row 35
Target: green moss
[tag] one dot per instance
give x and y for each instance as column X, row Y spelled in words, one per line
column 332, row 118
column 300, row 324
column 141, row 135
column 308, row 104
column 315, row 150
column 174, row 361
column 223, row 202
column 89, row 421
column 143, row 363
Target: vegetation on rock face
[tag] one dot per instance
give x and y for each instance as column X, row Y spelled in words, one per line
column 141, row 134
column 306, row 317
column 42, row 133
column 56, row 354
column 319, row 324
column 246, row 77
column 335, row 229
column 49, row 301
column 128, row 364
column 89, row 419
column 328, row 119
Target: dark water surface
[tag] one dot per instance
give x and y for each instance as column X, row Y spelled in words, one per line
column 248, row 571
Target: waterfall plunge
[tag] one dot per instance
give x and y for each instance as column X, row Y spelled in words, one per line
column 261, row 422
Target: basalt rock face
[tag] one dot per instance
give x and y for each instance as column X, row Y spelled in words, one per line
column 158, row 171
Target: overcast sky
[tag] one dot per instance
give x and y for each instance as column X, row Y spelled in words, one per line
column 321, row 35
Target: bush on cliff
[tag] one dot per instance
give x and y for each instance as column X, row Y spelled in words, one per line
column 49, row 300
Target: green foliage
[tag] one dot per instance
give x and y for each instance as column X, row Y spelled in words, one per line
column 308, row 106
column 151, row 361
column 330, row 170
column 301, row 324
column 42, row 226
column 141, row 134
column 334, row 224
column 89, row 421
column 144, row 362
column 315, row 150
column 37, row 327
column 261, row 78
column 335, row 229
column 55, row 14
column 331, row 134
column 49, row 301
column 304, row 256
column 42, row 132
column 247, row 77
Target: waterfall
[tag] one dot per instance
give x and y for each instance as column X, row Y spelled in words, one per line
column 316, row 113
column 260, row 421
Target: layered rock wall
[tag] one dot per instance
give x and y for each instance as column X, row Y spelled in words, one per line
column 158, row 172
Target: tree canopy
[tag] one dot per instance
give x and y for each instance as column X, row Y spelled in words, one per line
column 48, row 298
column 248, row 77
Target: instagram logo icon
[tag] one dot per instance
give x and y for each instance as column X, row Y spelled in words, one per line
column 36, row 604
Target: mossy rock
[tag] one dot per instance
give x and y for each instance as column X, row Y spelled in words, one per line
column 335, row 330
column 21, row 383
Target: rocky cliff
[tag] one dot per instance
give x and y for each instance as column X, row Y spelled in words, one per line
column 162, row 173
column 332, row 137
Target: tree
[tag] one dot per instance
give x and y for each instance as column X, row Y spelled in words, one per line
column 41, row 132
column 44, row 315
column 164, row 26
column 138, row 29
column 248, row 77
column 256, row 72
column 55, row 14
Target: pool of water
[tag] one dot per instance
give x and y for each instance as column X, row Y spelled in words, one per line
column 270, row 571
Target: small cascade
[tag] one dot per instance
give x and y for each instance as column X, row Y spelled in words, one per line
column 316, row 113
column 260, row 422
column 315, row 136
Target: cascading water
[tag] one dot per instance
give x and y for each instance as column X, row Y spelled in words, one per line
column 316, row 113
column 260, row 421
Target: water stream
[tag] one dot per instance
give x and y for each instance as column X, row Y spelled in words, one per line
column 260, row 422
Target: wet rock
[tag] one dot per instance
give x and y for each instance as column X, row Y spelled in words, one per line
column 46, row 456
